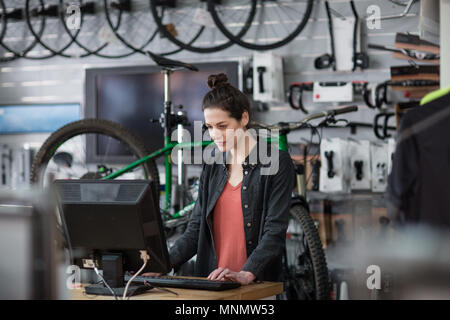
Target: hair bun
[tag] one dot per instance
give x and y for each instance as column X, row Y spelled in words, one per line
column 217, row 80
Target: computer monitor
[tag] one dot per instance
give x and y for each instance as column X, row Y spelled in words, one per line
column 107, row 223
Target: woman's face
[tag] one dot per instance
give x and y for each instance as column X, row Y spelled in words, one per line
column 223, row 128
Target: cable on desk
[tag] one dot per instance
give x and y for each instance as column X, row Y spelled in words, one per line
column 106, row 283
column 145, row 257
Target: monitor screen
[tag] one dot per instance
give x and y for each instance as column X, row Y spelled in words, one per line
column 113, row 216
column 132, row 96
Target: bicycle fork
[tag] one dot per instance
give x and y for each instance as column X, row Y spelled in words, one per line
column 301, row 183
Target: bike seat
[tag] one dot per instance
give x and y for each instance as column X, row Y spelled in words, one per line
column 168, row 63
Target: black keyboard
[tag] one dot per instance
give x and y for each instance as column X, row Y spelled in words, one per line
column 185, row 283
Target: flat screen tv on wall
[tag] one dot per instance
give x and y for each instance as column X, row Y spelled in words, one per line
column 133, row 95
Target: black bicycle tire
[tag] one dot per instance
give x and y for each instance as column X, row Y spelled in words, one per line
column 96, row 52
column 3, row 20
column 89, row 52
column 238, row 38
column 59, row 52
column 100, row 126
column 188, row 46
column 2, row 34
column 108, row 19
column 127, row 44
column 23, row 53
column 321, row 279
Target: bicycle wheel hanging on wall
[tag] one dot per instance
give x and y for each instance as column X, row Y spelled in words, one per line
column 69, row 153
column 137, row 29
column 97, row 37
column 17, row 37
column 275, row 23
column 189, row 25
column 307, row 271
column 8, row 56
column 56, row 37
column 2, row 19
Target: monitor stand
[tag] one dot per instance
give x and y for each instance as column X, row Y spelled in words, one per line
column 113, row 274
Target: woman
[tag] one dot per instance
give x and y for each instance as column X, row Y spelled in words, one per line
column 238, row 224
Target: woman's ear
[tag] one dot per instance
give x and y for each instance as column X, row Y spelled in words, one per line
column 245, row 119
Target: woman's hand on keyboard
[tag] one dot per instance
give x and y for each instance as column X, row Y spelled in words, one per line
column 243, row 277
column 225, row 274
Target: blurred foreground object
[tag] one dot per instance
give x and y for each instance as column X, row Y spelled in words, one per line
column 419, row 183
column 29, row 258
column 412, row 263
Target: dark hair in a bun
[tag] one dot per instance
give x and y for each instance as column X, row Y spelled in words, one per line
column 226, row 97
column 217, row 80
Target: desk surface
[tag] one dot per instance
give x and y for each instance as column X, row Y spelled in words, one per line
column 252, row 291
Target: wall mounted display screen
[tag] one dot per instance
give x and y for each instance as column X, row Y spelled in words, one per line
column 132, row 96
column 20, row 119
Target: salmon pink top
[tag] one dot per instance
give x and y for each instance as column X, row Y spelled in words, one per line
column 228, row 228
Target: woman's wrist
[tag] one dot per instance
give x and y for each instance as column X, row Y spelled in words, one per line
column 250, row 276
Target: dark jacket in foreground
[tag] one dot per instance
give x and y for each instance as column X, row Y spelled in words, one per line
column 419, row 183
column 266, row 201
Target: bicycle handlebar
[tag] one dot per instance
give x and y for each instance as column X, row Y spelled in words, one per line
column 345, row 110
column 290, row 126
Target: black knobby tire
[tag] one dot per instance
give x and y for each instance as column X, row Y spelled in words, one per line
column 238, row 38
column 97, row 126
column 317, row 255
